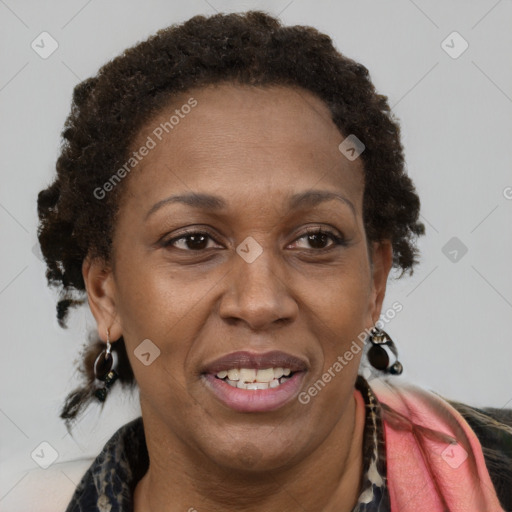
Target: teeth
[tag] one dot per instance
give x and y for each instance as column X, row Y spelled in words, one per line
column 256, row 385
column 233, row 374
column 249, row 375
column 265, row 375
column 278, row 373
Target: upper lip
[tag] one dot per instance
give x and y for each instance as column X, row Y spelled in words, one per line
column 245, row 359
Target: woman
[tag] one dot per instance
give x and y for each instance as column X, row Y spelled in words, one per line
column 230, row 199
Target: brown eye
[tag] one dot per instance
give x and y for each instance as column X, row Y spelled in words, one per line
column 319, row 238
column 192, row 241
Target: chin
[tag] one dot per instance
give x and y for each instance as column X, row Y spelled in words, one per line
column 253, row 456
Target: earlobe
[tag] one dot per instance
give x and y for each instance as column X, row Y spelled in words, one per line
column 100, row 287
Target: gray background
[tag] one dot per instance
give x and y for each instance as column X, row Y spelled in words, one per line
column 454, row 331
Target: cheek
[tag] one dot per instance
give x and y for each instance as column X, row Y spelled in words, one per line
column 342, row 313
column 153, row 310
column 155, row 300
column 340, row 329
column 344, row 332
column 343, row 298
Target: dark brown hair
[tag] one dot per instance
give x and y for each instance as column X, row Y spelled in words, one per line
column 109, row 109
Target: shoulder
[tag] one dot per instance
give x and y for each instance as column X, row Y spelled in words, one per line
column 110, row 479
column 493, row 427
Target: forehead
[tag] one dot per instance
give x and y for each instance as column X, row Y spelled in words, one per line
column 243, row 138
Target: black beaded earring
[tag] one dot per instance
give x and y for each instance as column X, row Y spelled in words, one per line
column 382, row 352
column 104, row 371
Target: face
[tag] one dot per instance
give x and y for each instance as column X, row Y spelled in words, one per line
column 246, row 271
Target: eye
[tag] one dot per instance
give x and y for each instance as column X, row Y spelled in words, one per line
column 190, row 241
column 198, row 240
column 318, row 237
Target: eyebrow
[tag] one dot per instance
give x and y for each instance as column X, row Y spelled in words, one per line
column 310, row 198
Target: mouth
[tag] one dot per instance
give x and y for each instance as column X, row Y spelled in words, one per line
column 251, row 378
column 249, row 382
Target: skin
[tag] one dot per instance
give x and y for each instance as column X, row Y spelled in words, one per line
column 254, row 147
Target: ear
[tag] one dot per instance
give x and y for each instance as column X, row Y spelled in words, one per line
column 382, row 259
column 101, row 295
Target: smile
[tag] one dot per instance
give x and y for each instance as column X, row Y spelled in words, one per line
column 255, row 396
column 250, row 378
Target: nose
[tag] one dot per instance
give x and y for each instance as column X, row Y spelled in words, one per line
column 258, row 294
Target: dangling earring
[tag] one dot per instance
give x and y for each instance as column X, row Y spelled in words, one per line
column 103, row 370
column 382, row 351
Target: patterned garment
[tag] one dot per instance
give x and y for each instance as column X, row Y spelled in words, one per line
column 109, row 483
column 374, row 496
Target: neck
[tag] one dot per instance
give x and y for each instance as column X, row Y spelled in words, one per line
column 327, row 480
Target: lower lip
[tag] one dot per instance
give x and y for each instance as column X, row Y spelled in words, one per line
column 254, row 400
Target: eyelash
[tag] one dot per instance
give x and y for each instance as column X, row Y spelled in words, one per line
column 338, row 241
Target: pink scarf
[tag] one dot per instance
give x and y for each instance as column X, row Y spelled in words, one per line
column 434, row 459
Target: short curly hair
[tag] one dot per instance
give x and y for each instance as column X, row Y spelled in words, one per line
column 109, row 109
